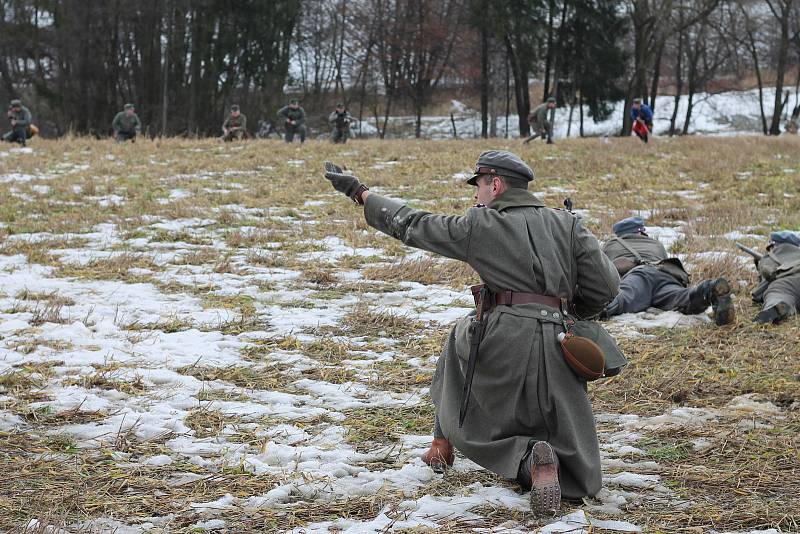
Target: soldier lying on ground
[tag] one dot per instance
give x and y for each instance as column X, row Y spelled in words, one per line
column 651, row 279
column 235, row 125
column 294, row 120
column 528, row 416
column 126, row 124
column 540, row 125
column 21, row 128
column 779, row 271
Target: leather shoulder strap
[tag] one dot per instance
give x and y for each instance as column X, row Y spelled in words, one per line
column 630, row 249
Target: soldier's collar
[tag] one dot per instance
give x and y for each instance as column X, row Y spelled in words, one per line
column 515, row 198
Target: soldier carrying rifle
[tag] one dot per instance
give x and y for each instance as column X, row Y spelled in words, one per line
column 779, row 271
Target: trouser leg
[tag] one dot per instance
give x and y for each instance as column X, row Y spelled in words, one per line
column 437, row 429
column 635, row 292
column 786, row 290
column 302, row 131
column 22, row 134
column 670, row 295
column 289, row 135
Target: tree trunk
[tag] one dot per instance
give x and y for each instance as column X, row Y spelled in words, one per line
column 520, row 88
column 780, row 71
column 678, row 77
column 484, row 81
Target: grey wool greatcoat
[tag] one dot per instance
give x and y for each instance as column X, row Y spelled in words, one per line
column 523, row 390
column 779, row 271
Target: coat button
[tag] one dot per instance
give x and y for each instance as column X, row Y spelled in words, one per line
column 556, row 315
column 544, row 313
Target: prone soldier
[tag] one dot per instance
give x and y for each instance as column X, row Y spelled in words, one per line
column 340, row 119
column 504, row 394
column 235, row 125
column 294, row 120
column 126, row 124
column 21, row 127
column 779, row 270
column 540, row 124
column 652, row 279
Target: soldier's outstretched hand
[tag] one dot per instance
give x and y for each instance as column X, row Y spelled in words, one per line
column 343, row 181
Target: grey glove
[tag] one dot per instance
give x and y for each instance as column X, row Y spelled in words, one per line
column 344, row 183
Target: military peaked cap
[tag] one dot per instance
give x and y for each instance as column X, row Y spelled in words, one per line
column 631, row 225
column 501, row 163
column 129, row 106
column 16, row 103
column 785, row 236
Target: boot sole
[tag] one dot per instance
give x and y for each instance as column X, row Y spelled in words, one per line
column 545, row 489
column 724, row 312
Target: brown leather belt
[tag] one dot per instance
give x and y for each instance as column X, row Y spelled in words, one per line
column 512, row 298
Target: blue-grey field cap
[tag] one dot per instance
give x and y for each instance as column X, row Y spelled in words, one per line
column 501, row 163
column 785, row 236
column 631, row 225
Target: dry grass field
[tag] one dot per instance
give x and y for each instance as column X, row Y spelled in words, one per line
column 205, row 337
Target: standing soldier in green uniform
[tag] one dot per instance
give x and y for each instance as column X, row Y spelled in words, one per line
column 294, row 120
column 526, row 415
column 20, row 118
column 779, row 270
column 126, row 124
column 540, row 125
column 340, row 120
column 652, row 279
column 235, row 125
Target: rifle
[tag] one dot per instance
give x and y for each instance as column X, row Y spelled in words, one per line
column 756, row 255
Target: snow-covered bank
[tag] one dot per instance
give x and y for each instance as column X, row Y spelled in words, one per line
column 731, row 113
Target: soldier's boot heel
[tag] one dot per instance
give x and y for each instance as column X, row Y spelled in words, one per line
column 545, row 488
column 721, row 302
column 775, row 314
column 440, row 456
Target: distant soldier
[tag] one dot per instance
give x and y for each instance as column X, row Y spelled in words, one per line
column 792, row 125
column 642, row 119
column 126, row 124
column 540, row 124
column 235, row 125
column 294, row 120
column 504, row 394
column 779, row 271
column 340, row 120
column 652, row 279
column 21, row 128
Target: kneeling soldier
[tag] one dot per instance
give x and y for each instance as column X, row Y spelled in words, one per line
column 294, row 121
column 651, row 279
column 235, row 125
column 126, row 124
column 779, row 270
column 340, row 120
column 21, row 128
column 504, row 394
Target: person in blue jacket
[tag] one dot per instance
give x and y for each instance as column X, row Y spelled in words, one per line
column 642, row 118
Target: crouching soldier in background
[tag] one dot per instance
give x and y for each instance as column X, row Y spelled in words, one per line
column 505, row 396
column 642, row 118
column 340, row 120
column 540, row 125
column 126, row 124
column 779, row 270
column 651, row 279
column 21, row 127
column 294, row 120
column 235, row 125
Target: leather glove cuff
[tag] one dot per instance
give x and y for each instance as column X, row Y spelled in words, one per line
column 357, row 196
